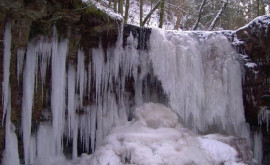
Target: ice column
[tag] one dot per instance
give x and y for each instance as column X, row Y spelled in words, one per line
column 10, row 154
column 27, row 100
column 202, row 79
column 59, row 53
column 20, row 62
column 80, row 75
column 72, row 116
column 258, row 147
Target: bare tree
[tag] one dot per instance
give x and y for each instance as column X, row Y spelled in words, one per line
column 150, row 13
column 120, row 7
column 179, row 15
column 199, row 15
column 141, row 13
column 110, row 3
column 161, row 18
column 220, row 12
column 126, row 11
column 115, row 6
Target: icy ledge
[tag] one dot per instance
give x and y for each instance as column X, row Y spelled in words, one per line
column 155, row 136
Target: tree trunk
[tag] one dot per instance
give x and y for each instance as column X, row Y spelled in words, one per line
column 199, row 16
column 150, row 13
column 262, row 9
column 141, row 13
column 213, row 24
column 161, row 18
column 110, row 3
column 115, row 6
column 179, row 16
column 120, row 7
column 126, row 12
column 258, row 7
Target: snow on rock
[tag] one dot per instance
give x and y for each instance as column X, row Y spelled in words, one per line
column 250, row 64
column 138, row 142
column 106, row 10
column 261, row 21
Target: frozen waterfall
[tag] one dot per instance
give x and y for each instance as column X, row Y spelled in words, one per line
column 84, row 99
column 202, row 78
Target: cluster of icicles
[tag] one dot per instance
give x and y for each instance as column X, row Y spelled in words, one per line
column 202, row 80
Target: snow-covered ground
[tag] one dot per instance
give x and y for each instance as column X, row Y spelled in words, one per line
column 154, row 137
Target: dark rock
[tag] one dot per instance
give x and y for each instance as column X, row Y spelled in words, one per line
column 253, row 40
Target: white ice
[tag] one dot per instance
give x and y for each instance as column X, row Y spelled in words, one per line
column 202, row 80
column 258, row 147
column 156, row 137
column 10, row 153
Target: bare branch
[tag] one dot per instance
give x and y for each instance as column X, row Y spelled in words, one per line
column 212, row 26
column 150, row 13
column 199, row 15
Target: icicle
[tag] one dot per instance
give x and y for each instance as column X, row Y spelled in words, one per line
column 89, row 80
column 33, row 151
column 258, row 147
column 80, row 75
column 59, row 53
column 45, row 142
column 45, row 56
column 20, row 61
column 93, row 127
column 201, row 79
column 71, row 97
column 72, row 117
column 263, row 117
column 27, row 100
column 10, row 154
column 6, row 67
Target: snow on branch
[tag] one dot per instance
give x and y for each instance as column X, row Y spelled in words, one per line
column 211, row 27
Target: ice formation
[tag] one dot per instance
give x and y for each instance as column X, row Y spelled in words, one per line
column 258, row 152
column 88, row 97
column 156, row 137
column 202, row 80
column 263, row 116
column 10, row 154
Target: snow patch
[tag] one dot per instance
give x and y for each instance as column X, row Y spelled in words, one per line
column 140, row 143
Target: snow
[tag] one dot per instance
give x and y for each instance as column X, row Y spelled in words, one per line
column 250, row 64
column 10, row 154
column 137, row 142
column 106, row 10
column 260, row 21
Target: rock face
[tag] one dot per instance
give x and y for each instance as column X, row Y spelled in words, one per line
column 253, row 40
